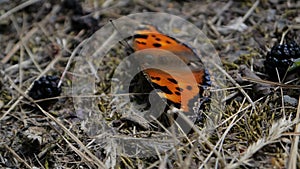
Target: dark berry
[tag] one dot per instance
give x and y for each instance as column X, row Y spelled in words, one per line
column 45, row 87
column 281, row 57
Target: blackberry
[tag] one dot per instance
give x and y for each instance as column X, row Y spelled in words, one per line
column 45, row 87
column 281, row 57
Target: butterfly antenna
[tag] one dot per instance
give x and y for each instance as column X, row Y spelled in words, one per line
column 123, row 42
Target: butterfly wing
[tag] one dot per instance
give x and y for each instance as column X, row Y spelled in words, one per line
column 180, row 88
column 149, row 37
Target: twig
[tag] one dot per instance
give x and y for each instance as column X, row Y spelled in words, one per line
column 18, row 45
column 31, row 56
column 70, row 134
column 271, row 83
column 283, row 35
column 275, row 132
column 213, row 28
column 40, row 163
column 81, row 154
column 249, row 12
column 17, row 156
column 221, row 11
column 24, row 64
column 24, row 44
column 70, row 61
column 204, row 139
column 17, row 8
column 28, row 35
column 292, row 164
column 236, row 84
column 244, row 109
column 148, row 5
column 233, row 122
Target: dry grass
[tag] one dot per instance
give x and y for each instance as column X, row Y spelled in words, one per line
column 252, row 130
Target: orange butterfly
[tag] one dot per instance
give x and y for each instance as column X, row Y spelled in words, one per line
column 179, row 83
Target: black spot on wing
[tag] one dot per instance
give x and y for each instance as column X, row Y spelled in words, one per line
column 164, row 89
column 179, row 89
column 168, row 42
column 158, row 39
column 172, row 80
column 178, row 93
column 141, row 43
column 155, row 78
column 157, row 45
column 189, row 87
column 140, row 36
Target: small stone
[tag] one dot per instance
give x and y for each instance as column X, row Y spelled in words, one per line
column 290, row 100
